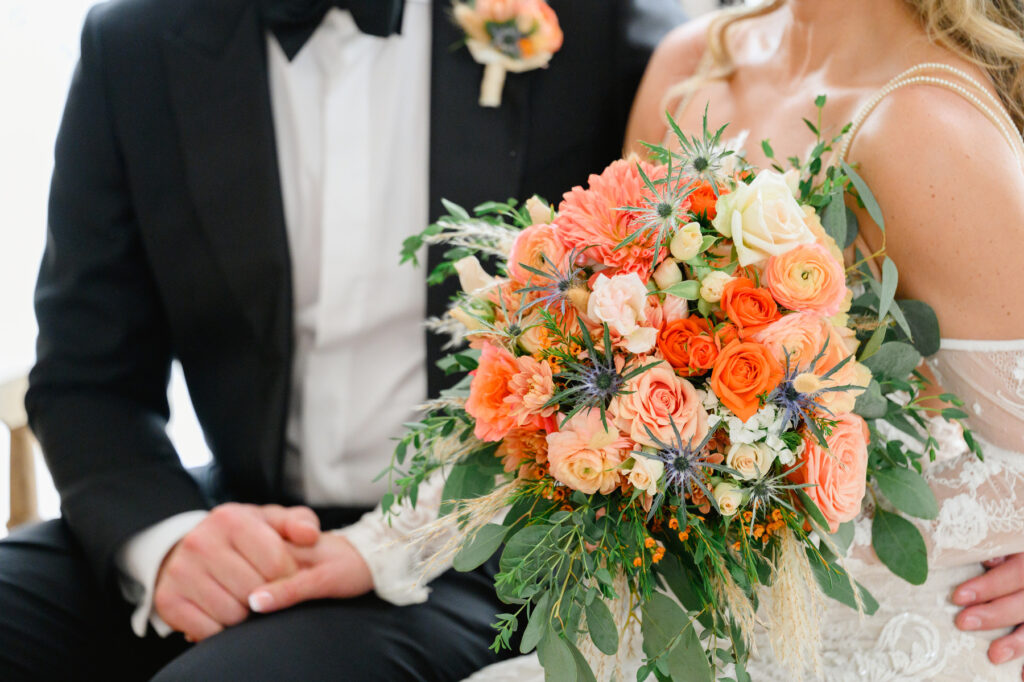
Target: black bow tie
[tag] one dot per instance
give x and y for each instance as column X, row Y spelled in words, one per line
column 293, row 21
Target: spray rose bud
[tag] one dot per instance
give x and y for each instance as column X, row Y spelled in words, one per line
column 667, row 274
column 729, row 497
column 686, row 242
column 713, row 284
column 540, row 213
column 472, row 277
column 752, row 460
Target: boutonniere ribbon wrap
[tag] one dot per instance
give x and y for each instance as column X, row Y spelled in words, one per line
column 507, row 35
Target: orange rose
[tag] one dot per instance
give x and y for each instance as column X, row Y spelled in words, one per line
column 488, row 391
column 744, row 371
column 688, row 346
column 749, row 307
column 725, row 334
column 807, row 279
column 703, row 200
column 838, row 474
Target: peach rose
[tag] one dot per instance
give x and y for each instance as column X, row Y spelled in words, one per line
column 529, row 392
column 530, row 248
column 488, row 391
column 807, row 279
column 621, row 303
column 744, row 372
column 749, row 307
column 585, row 455
column 658, row 399
column 838, row 474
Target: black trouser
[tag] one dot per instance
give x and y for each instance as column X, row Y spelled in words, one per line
column 56, row 624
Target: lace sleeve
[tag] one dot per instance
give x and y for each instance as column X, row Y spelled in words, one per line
column 401, row 560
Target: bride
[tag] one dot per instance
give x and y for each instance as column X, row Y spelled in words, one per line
column 936, row 91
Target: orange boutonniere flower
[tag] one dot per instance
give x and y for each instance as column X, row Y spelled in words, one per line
column 508, row 35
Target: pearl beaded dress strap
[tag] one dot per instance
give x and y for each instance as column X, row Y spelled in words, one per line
column 977, row 95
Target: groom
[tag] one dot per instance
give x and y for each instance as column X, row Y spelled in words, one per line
column 233, row 180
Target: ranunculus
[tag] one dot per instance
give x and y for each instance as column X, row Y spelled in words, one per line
column 713, row 284
column 801, row 336
column 752, row 460
column 762, row 219
column 686, row 242
column 657, row 400
column 837, row 475
column 744, row 372
column 488, row 391
column 728, row 497
column 530, row 248
column 807, row 279
column 620, row 302
column 585, row 455
column 851, row 374
column 688, row 346
column 645, row 473
column 749, row 307
column 529, row 392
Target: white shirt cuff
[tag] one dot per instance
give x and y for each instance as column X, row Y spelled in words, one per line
column 139, row 561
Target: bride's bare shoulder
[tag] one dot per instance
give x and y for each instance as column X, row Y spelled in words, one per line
column 951, row 189
column 675, row 59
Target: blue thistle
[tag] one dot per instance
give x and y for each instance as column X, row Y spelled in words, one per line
column 559, row 282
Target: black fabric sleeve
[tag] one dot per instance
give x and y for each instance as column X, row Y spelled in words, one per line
column 97, row 399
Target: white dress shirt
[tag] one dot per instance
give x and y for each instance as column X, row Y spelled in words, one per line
column 351, row 118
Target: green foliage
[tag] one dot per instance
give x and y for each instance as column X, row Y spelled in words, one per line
column 924, row 326
column 894, row 361
column 835, row 582
column 481, row 547
column 899, row 545
column 908, row 491
column 601, row 626
column 671, row 642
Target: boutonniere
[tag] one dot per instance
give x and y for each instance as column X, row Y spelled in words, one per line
column 507, row 35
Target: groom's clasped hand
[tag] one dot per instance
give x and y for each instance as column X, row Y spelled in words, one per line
column 246, row 558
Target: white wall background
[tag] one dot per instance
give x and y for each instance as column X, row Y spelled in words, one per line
column 39, row 42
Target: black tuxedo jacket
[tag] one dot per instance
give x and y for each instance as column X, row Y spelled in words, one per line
column 166, row 235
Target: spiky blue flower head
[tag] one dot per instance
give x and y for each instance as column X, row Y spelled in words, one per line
column 554, row 283
column 805, row 408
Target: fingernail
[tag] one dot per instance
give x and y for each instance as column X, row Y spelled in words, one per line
column 260, row 601
column 964, row 597
column 310, row 525
column 1001, row 656
column 971, row 623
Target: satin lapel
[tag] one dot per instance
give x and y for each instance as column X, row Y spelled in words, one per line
column 217, row 71
column 476, row 153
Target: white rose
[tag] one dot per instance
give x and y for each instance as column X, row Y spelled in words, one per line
column 667, row 274
column 472, row 277
column 729, row 497
column 713, row 284
column 620, row 302
column 763, row 219
column 751, row 460
column 686, row 242
column 645, row 474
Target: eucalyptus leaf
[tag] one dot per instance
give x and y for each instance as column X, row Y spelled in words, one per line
column 583, row 671
column 537, row 624
column 843, row 537
column 890, row 280
column 899, row 545
column 924, row 326
column 835, row 584
column 556, row 658
column 894, row 360
column 833, row 217
column 811, row 508
column 871, row 404
column 870, row 203
column 482, row 547
column 874, row 342
column 602, row 628
column 669, row 636
column 908, row 491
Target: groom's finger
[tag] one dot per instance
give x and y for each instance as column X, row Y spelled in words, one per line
column 298, row 525
column 1007, row 648
column 1005, row 578
column 1004, row 612
column 306, row 585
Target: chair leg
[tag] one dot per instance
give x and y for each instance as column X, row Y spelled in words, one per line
column 24, row 506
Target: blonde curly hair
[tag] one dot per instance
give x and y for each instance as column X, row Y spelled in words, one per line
column 988, row 33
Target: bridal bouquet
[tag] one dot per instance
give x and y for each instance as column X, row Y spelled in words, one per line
column 672, row 388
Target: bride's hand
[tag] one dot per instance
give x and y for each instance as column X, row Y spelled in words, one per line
column 995, row 600
column 332, row 569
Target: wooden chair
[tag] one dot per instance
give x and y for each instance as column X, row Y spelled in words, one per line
column 24, row 504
